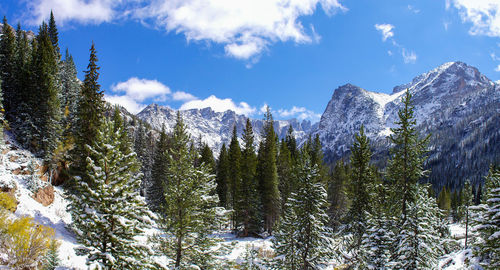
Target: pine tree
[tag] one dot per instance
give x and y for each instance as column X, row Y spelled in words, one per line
column 89, row 115
column 291, row 142
column 52, row 257
column 250, row 204
column 46, row 111
column 190, row 213
column 286, row 175
column 337, row 194
column 222, row 178
column 361, row 177
column 154, row 190
column 486, row 222
column 268, row 175
column 7, row 68
column 70, row 93
column 54, row 36
column 377, row 240
column 467, row 197
column 303, row 239
column 407, row 157
column 418, row 241
column 207, row 158
column 108, row 213
column 234, row 157
column 2, row 118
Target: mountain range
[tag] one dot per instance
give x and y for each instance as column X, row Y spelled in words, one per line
column 454, row 103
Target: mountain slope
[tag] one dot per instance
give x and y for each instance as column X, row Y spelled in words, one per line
column 215, row 128
column 455, row 103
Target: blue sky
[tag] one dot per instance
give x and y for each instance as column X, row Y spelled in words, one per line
column 288, row 54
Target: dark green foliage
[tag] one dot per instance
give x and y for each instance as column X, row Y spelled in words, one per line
column 190, row 213
column 46, row 111
column 337, row 194
column 407, row 157
column 54, row 36
column 154, row 189
column 234, row 158
column 222, row 178
column 250, row 209
column 70, row 94
column 286, row 174
column 7, row 68
column 207, row 158
column 52, row 257
column 268, row 175
column 90, row 113
column 360, row 179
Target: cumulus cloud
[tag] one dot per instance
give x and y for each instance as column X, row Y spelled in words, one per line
column 82, row 11
column 182, row 96
column 300, row 113
column 132, row 93
column 219, row 105
column 386, row 30
column 125, row 101
column 409, row 56
column 142, row 89
column 245, row 28
column 483, row 14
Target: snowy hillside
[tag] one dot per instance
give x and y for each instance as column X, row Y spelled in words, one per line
column 215, row 128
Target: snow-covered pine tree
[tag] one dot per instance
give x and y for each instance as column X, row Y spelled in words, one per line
column 108, row 213
column 303, row 240
column 376, row 243
column 2, row 118
column 52, row 260
column 7, row 67
column 190, row 213
column 418, row 241
column 70, row 93
column 486, row 222
column 90, row 111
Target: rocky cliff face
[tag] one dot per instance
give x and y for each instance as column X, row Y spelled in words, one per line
column 455, row 103
column 215, row 128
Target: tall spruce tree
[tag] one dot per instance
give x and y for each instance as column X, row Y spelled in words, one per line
column 89, row 115
column 207, row 158
column 7, row 68
column 222, row 178
column 108, row 213
column 407, row 156
column 154, row 190
column 337, row 194
column 286, row 175
column 70, row 94
column 268, row 175
column 54, row 36
column 190, row 213
column 47, row 113
column 303, row 239
column 234, row 157
column 250, row 204
column 486, row 222
column 418, row 238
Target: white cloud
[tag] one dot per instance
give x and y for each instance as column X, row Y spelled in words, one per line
column 446, row 25
column 483, row 14
column 219, row 105
column 82, row 11
column 413, row 9
column 494, row 57
column 299, row 112
column 409, row 56
column 389, row 52
column 182, row 96
column 497, row 69
column 245, row 28
column 125, row 101
column 386, row 30
column 142, row 89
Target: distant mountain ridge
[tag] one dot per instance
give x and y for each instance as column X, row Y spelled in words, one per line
column 454, row 103
column 215, row 128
